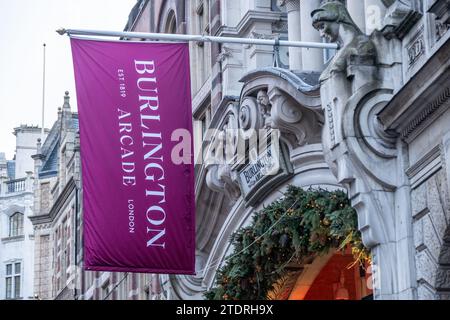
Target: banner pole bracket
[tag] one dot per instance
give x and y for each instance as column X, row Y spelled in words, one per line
column 197, row 38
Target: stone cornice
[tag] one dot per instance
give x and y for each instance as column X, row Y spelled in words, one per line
column 43, row 226
column 290, row 77
column 38, row 157
column 57, row 206
column 13, row 239
column 431, row 112
column 40, row 219
column 20, row 194
column 424, row 96
column 425, row 167
column 401, row 17
column 423, row 162
column 62, row 198
column 441, row 9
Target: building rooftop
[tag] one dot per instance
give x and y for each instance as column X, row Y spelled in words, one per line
column 28, row 128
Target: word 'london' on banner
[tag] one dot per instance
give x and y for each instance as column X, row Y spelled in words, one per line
column 134, row 107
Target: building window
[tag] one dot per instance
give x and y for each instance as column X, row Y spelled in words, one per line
column 171, row 25
column 200, row 18
column 16, row 225
column 12, row 279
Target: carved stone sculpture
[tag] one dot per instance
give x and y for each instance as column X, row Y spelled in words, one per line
column 220, row 153
column 334, row 23
column 264, row 107
column 366, row 160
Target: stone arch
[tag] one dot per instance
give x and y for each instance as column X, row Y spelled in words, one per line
column 301, row 271
column 13, row 209
column 6, row 216
column 309, row 273
column 171, row 23
column 171, row 17
column 220, row 216
column 318, row 278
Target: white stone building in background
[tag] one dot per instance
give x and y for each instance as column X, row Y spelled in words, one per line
column 16, row 206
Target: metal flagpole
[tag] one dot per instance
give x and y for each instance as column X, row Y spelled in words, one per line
column 43, row 98
column 199, row 38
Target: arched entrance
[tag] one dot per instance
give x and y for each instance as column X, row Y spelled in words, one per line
column 333, row 277
column 303, row 246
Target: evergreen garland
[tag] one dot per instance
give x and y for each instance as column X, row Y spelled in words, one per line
column 302, row 224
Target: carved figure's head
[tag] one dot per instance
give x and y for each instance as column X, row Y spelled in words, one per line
column 262, row 98
column 329, row 17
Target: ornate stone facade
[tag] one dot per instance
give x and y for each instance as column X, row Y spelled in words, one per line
column 56, row 217
column 371, row 157
column 371, row 118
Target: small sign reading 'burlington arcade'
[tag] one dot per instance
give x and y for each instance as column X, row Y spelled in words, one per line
column 265, row 164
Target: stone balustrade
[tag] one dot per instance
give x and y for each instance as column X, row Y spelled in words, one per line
column 10, row 187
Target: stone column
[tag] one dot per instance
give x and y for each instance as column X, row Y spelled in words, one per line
column 356, row 10
column 312, row 59
column 375, row 12
column 29, row 181
column 294, row 34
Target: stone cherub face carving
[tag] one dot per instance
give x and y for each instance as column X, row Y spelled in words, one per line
column 263, row 101
column 264, row 107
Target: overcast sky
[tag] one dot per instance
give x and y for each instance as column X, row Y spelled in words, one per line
column 24, row 26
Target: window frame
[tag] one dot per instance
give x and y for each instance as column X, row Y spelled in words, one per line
column 16, row 224
column 13, row 290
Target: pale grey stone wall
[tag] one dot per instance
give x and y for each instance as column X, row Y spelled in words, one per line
column 431, row 214
column 42, row 265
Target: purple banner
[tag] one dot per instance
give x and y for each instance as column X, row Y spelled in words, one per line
column 134, row 105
